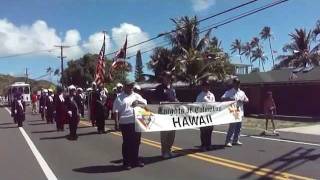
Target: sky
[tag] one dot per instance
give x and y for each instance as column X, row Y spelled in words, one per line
column 37, row 26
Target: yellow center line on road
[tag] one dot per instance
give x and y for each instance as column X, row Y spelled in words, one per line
column 224, row 162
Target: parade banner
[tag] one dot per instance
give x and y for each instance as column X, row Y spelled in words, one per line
column 167, row 117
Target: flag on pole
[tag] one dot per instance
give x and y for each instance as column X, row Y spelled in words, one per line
column 119, row 60
column 100, row 67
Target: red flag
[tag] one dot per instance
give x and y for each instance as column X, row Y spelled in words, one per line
column 119, row 60
column 100, row 67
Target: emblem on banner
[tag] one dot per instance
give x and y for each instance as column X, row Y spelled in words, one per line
column 145, row 118
column 234, row 109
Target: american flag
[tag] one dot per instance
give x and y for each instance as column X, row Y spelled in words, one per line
column 119, row 61
column 100, row 67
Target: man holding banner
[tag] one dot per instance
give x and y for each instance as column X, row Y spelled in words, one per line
column 124, row 105
column 235, row 94
column 205, row 132
column 165, row 93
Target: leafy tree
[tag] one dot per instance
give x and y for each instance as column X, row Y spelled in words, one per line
column 81, row 72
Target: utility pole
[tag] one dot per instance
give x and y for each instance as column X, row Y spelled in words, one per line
column 26, row 75
column 61, row 58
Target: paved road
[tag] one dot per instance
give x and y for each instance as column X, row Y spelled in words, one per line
column 96, row 156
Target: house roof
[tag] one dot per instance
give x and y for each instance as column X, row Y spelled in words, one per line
column 282, row 76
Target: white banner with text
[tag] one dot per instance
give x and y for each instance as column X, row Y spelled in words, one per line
column 185, row 116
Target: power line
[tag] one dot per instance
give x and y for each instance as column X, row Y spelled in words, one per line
column 161, row 34
column 201, row 20
column 227, row 21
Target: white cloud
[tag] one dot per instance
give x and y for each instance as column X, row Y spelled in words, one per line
column 94, row 43
column 39, row 36
column 200, row 5
column 21, row 39
column 73, row 38
column 135, row 35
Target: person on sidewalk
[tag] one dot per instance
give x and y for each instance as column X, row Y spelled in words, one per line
column 269, row 107
column 124, row 104
column 165, row 93
column 205, row 132
column 235, row 94
column 73, row 113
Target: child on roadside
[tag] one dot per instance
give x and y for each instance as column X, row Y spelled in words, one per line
column 270, row 111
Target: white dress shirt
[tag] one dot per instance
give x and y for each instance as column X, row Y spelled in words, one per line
column 205, row 97
column 237, row 95
column 123, row 104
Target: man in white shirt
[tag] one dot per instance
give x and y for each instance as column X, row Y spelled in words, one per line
column 235, row 94
column 124, row 104
column 205, row 132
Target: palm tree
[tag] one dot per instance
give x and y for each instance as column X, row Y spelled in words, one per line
column 300, row 53
column 258, row 54
column 247, row 51
column 266, row 34
column 236, row 46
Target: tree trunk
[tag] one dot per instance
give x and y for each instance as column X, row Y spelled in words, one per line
column 271, row 52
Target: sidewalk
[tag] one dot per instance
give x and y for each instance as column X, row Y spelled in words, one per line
column 313, row 130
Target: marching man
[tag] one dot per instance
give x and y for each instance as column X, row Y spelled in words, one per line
column 49, row 107
column 235, row 94
column 60, row 109
column 205, row 132
column 18, row 109
column 124, row 104
column 72, row 113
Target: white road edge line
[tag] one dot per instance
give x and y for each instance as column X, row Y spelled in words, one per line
column 43, row 164
column 270, row 139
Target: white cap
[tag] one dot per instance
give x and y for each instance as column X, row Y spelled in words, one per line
column 137, row 87
column 89, row 89
column 114, row 88
column 79, row 89
column 72, row 87
column 50, row 90
column 119, row 85
column 45, row 90
column 94, row 83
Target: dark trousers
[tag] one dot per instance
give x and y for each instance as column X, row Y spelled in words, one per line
column 234, row 130
column 82, row 111
column 73, row 126
column 130, row 145
column 100, row 125
column 205, row 136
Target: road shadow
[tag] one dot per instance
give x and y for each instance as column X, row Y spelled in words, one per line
column 39, row 132
column 37, row 124
column 39, row 120
column 116, row 165
column 79, row 135
column 284, row 163
column 8, row 127
column 99, row 169
column 213, row 147
column 6, row 123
